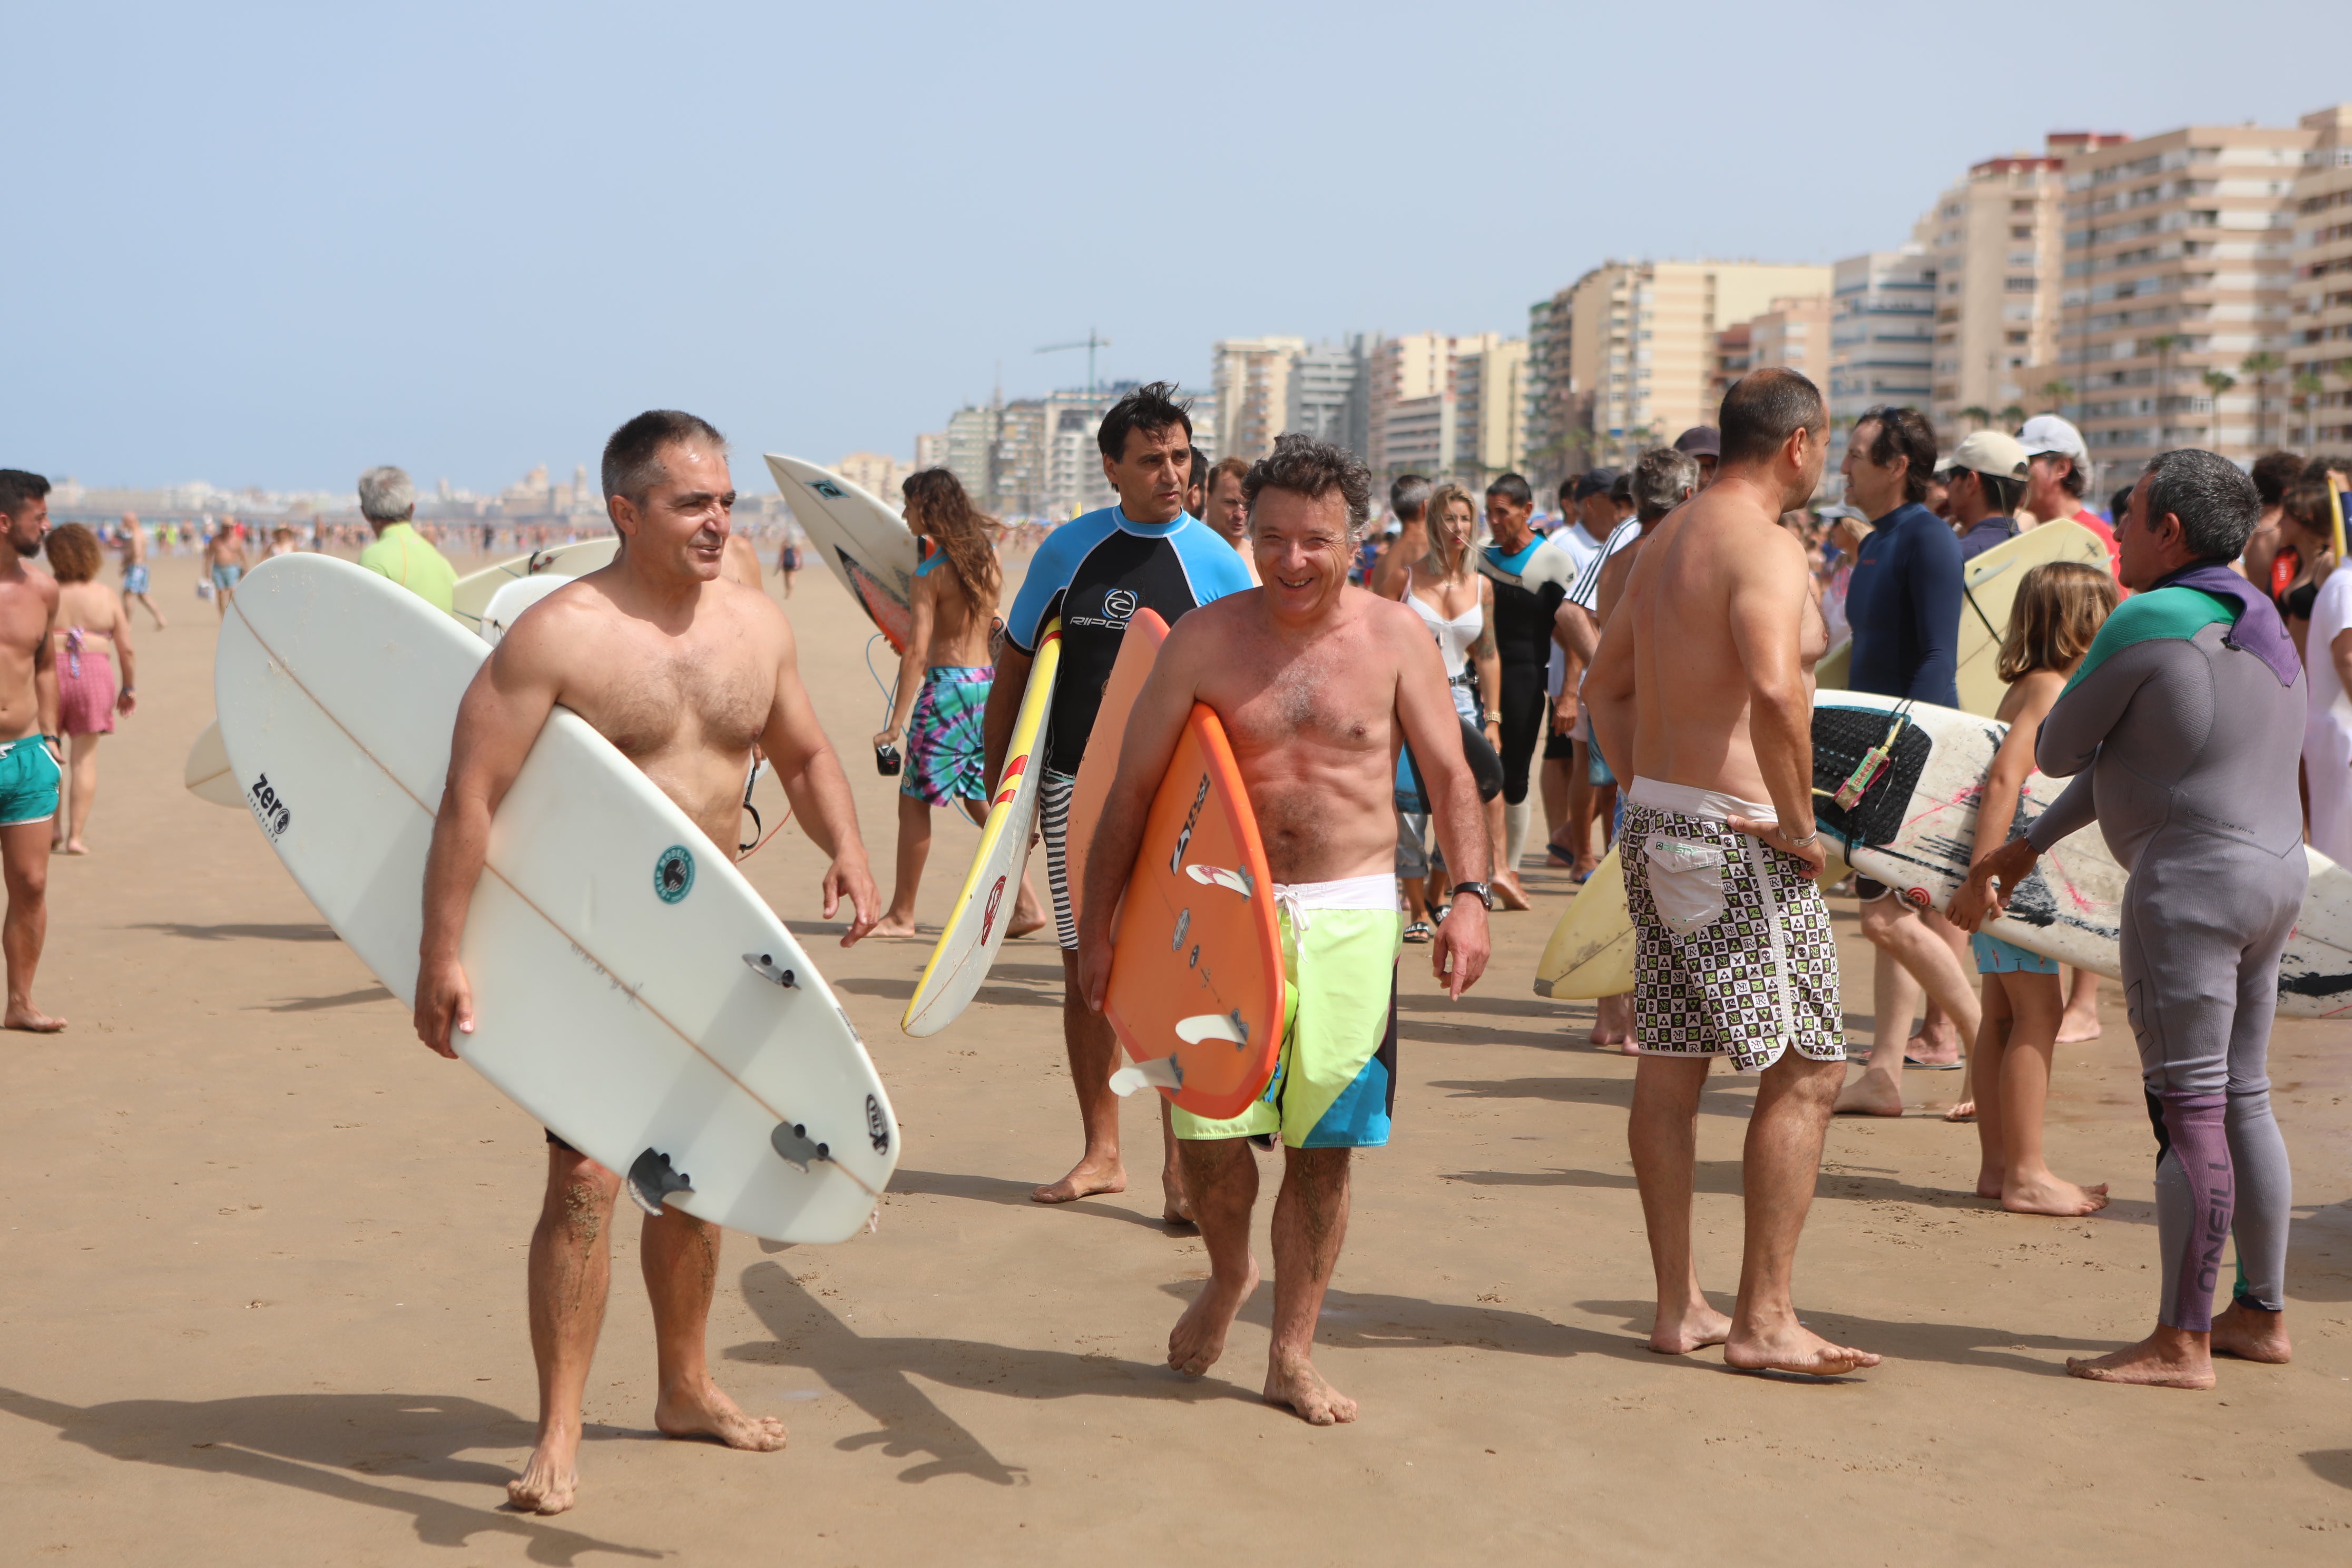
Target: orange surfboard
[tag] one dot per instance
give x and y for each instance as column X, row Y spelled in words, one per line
column 1137, row 650
column 1196, row 991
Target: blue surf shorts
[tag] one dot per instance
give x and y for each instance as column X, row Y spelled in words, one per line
column 1995, row 956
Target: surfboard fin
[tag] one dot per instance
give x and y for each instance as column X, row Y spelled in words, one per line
column 1153, row 1072
column 798, row 1149
column 765, row 966
column 1213, row 1026
column 652, row 1180
column 1218, row 876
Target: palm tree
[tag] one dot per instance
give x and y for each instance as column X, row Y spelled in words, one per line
column 2163, row 344
column 2218, row 382
column 2308, row 388
column 2014, row 413
column 2057, row 392
column 1977, row 416
column 2262, row 366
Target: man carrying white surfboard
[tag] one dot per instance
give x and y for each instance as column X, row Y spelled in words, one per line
column 1093, row 574
column 1701, row 693
column 684, row 672
column 1317, row 684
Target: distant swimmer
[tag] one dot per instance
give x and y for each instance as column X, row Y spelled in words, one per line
column 684, row 673
column 131, row 540
column 388, row 502
column 942, row 697
column 2181, row 730
column 31, row 759
column 1317, row 684
column 1701, row 694
column 1092, row 574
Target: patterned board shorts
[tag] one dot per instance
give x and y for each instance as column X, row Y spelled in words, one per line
column 946, row 762
column 1733, row 951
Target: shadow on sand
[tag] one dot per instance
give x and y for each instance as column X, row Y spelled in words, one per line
column 1012, row 1194
column 332, row 1444
column 1722, row 1179
column 1959, row 1344
column 306, row 932
column 319, row 1003
column 2333, row 1465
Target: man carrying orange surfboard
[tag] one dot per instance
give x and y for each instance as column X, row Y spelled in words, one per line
column 1316, row 685
column 1093, row 572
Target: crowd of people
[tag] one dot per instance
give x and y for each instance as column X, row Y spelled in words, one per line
column 1643, row 667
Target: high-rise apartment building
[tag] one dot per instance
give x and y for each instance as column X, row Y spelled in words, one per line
column 1251, row 378
column 1733, row 347
column 932, row 449
column 876, row 473
column 1881, row 336
column 1329, row 394
column 1447, row 407
column 2312, row 397
column 2178, row 269
column 1638, row 340
column 1997, row 239
column 970, row 451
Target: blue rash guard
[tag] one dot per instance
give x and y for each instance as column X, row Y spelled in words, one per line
column 1904, row 604
column 1095, row 571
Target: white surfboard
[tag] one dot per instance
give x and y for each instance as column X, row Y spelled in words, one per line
column 473, row 592
column 975, row 927
column 862, row 538
column 207, row 773
column 631, row 991
column 2070, row 909
column 512, row 600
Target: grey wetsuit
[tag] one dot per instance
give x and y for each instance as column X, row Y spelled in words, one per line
column 2188, row 720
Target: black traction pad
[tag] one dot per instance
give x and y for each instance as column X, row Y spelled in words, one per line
column 1842, row 736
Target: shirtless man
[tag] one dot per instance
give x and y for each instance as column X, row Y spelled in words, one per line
column 1701, row 692
column 224, row 559
column 2182, row 728
column 1317, row 684
column 684, row 672
column 1662, row 480
column 132, row 542
column 1227, row 511
column 29, row 748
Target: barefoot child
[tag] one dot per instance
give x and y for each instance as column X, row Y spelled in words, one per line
column 2059, row 609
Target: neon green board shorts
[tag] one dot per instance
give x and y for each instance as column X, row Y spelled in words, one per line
column 1334, row 1085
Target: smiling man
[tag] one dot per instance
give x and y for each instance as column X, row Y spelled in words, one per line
column 1093, row 572
column 685, row 671
column 1317, row 684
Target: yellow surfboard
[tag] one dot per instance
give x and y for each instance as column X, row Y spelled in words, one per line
column 1591, row 950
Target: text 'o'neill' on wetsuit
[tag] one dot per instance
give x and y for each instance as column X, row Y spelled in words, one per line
column 2182, row 728
column 1095, row 571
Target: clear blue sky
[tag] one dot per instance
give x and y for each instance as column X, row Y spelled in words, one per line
column 275, row 244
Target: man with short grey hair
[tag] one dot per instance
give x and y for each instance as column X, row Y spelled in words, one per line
column 388, row 500
column 1316, row 683
column 2182, row 728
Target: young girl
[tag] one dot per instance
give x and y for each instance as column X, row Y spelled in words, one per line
column 2059, row 608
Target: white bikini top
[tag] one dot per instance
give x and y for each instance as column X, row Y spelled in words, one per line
column 1454, row 637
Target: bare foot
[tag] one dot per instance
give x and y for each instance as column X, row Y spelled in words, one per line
column 1794, row 1348
column 1296, row 1383
column 1507, row 893
column 31, row 1020
column 551, row 1480
column 1175, row 1208
column 2251, row 1334
column 1199, row 1337
column 1585, row 865
column 1023, row 925
column 706, row 1411
column 1613, row 1022
column 1693, row 1326
column 1988, row 1183
column 1870, row 1095
column 1966, row 1110
column 1086, row 1178
column 1938, row 1048
column 2073, row 1029
column 2052, row 1194
column 887, row 926
column 2150, row 1364
column 76, row 847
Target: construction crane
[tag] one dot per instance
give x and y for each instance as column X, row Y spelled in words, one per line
column 1090, row 342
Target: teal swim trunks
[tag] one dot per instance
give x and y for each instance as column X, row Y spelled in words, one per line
column 29, row 781
column 1995, row 956
column 1334, row 1085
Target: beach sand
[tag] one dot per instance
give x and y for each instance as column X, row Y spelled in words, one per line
column 264, row 1294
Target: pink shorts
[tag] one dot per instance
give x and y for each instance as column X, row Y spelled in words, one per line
column 85, row 691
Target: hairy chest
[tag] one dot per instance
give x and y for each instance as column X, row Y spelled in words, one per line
column 650, row 698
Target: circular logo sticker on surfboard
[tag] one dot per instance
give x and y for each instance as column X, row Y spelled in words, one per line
column 674, row 874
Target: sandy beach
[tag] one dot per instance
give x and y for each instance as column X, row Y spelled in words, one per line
column 264, row 1297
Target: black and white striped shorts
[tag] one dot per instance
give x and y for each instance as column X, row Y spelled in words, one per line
column 1053, row 792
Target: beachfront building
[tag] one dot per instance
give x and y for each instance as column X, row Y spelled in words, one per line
column 1447, row 407
column 2313, row 394
column 1251, row 379
column 1329, row 394
column 1882, row 337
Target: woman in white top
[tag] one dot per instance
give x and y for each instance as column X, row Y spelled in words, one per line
column 1456, row 603
column 2327, row 679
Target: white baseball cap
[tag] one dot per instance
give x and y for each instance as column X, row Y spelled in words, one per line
column 2048, row 433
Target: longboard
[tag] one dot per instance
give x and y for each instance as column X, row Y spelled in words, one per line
column 983, row 906
column 471, row 596
column 1138, row 649
column 631, row 991
column 863, row 541
column 1195, row 991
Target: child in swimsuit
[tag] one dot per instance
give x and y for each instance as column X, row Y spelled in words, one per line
column 2059, row 608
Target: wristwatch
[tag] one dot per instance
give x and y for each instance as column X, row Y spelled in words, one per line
column 1482, row 892
column 1490, row 718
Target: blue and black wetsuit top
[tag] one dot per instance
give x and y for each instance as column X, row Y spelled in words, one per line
column 1095, row 571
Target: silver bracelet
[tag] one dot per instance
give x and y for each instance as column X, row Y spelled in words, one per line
column 1812, row 837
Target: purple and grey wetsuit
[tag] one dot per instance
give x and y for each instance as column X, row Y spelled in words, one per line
column 2182, row 728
